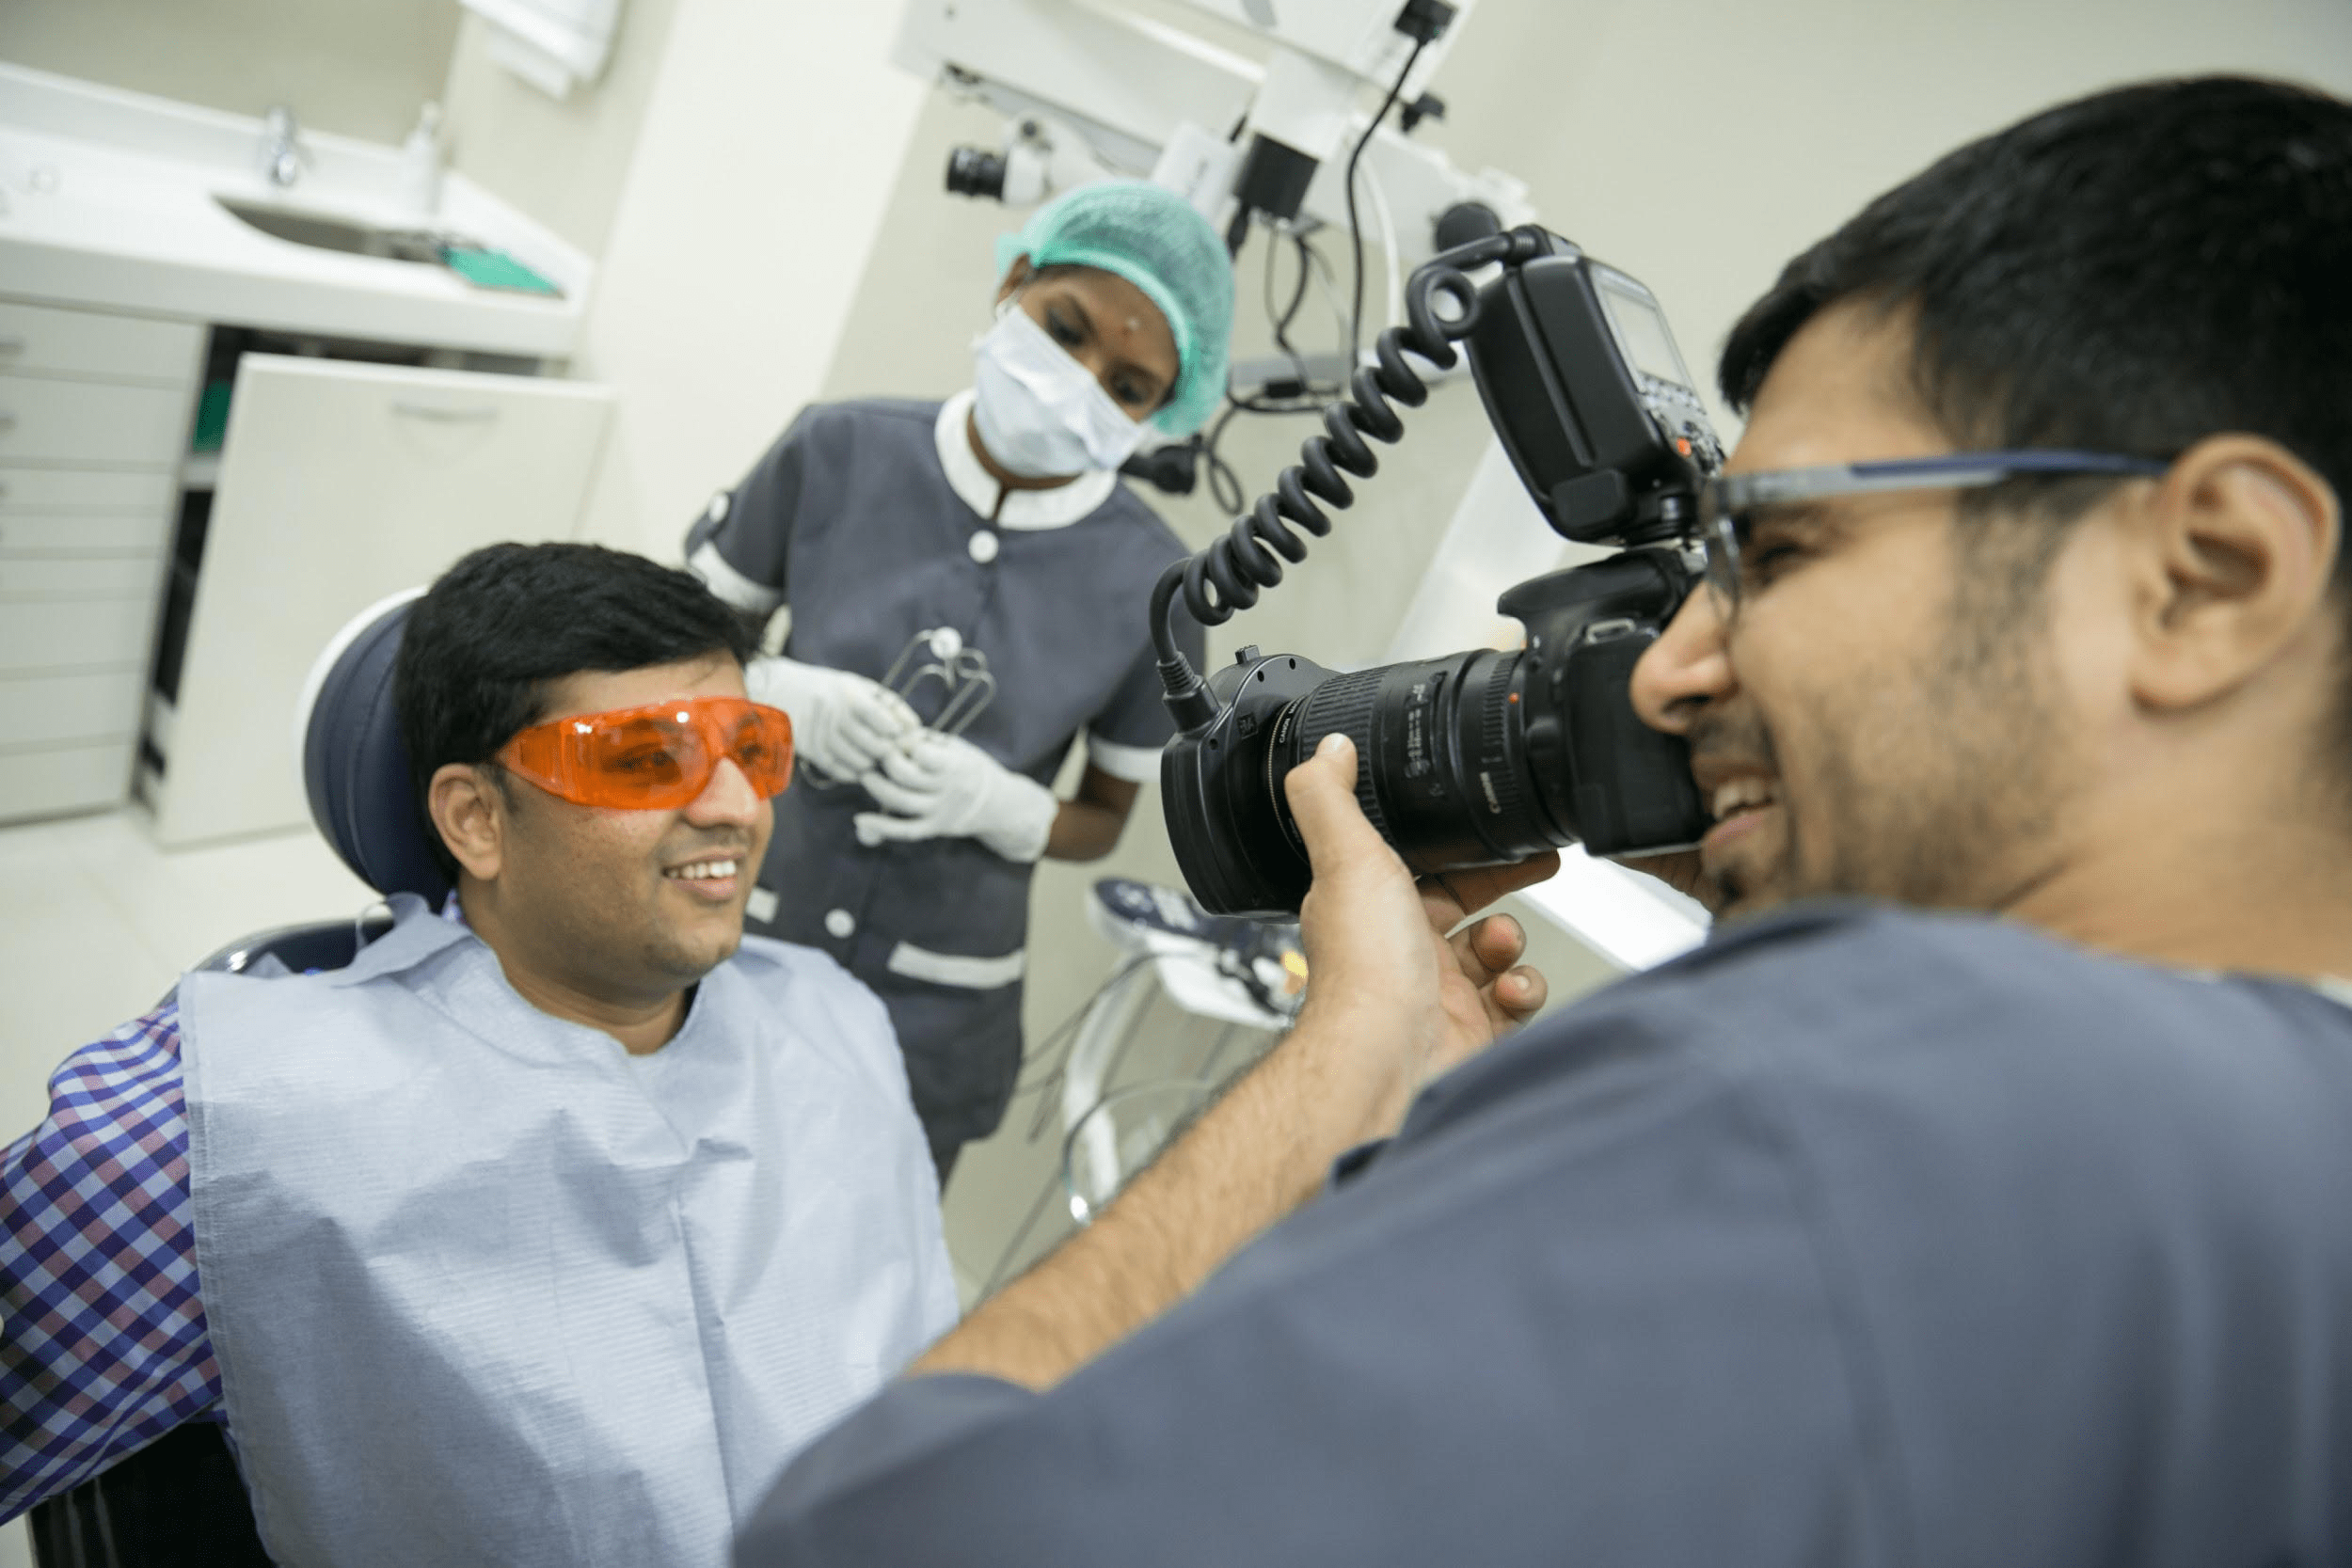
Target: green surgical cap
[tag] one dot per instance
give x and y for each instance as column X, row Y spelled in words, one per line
column 1152, row 238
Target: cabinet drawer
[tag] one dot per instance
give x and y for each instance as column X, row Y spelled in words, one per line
column 99, row 533
column 46, row 710
column 339, row 484
column 90, row 422
column 42, row 340
column 53, row 779
column 67, row 634
column 83, row 490
column 78, row 576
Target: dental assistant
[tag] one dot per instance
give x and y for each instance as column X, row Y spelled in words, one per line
column 968, row 583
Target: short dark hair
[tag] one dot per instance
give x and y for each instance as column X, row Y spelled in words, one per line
column 2129, row 273
column 482, row 647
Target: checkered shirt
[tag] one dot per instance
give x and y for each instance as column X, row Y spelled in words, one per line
column 105, row 1348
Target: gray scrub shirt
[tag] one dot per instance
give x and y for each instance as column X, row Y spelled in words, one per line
column 1857, row 1237
column 851, row 520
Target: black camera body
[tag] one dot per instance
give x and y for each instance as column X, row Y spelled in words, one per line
column 1485, row 756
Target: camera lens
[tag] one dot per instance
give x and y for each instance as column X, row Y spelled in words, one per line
column 1442, row 757
column 975, row 171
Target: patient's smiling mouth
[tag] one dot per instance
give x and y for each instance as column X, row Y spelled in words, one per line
column 713, row 878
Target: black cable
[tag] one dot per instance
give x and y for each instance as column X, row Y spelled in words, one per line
column 1029, row 1085
column 1046, row 1079
column 1355, row 232
column 1282, row 317
column 1229, row 574
column 1310, row 397
column 1225, row 487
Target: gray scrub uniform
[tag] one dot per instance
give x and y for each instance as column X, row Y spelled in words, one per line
column 1856, row 1237
column 851, row 520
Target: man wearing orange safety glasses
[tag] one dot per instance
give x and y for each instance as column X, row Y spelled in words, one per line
column 548, row 1229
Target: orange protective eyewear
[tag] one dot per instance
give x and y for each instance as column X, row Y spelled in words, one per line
column 657, row 757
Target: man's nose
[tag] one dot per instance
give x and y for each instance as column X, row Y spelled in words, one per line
column 1687, row 668
column 728, row 799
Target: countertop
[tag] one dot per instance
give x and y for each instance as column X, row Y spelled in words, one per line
column 107, row 202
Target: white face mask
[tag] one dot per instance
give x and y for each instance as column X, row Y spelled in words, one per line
column 1041, row 413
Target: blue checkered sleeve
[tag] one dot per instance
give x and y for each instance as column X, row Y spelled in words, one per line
column 105, row 1348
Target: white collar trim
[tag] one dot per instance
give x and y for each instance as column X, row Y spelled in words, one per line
column 1025, row 510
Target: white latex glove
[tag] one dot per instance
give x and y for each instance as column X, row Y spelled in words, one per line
column 843, row 722
column 943, row 786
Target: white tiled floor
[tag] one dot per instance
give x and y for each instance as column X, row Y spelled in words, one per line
column 96, row 921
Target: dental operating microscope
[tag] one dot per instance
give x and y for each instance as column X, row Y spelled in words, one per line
column 1251, row 108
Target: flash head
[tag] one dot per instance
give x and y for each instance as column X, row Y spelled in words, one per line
column 1486, row 757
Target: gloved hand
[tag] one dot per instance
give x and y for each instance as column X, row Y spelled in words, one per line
column 943, row 786
column 842, row 722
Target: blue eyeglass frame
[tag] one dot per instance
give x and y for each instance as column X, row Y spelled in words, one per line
column 1725, row 498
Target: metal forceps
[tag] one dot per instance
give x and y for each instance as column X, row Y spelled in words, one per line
column 962, row 673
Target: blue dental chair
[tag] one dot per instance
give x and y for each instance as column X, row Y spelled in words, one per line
column 178, row 1502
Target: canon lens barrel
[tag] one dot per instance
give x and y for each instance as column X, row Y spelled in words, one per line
column 1442, row 757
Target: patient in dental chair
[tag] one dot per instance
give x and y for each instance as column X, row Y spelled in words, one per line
column 550, row 1228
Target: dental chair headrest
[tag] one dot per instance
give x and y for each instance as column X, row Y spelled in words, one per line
column 354, row 766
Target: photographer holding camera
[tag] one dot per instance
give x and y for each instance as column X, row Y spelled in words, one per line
column 1994, row 1214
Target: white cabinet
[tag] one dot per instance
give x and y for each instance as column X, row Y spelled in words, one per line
column 341, row 482
column 54, row 710
column 94, row 414
column 42, row 340
column 44, row 420
column 48, row 636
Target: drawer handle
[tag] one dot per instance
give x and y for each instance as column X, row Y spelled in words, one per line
column 437, row 414
column 12, row 345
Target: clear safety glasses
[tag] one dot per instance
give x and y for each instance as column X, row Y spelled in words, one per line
column 657, row 757
column 1729, row 504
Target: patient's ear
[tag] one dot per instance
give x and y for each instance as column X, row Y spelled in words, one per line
column 2234, row 553
column 468, row 810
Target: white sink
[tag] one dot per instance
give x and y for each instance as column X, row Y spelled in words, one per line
column 119, row 202
column 333, row 231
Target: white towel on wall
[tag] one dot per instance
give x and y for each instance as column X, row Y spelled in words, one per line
column 555, row 45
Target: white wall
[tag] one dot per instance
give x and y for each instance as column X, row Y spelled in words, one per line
column 357, row 67
column 770, row 140
column 563, row 161
column 1700, row 145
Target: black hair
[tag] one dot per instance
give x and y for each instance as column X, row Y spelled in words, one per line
column 481, row 649
column 2127, row 272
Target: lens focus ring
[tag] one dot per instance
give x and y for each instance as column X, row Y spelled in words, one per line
column 1344, row 705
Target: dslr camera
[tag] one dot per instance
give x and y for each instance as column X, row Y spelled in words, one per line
column 1482, row 757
